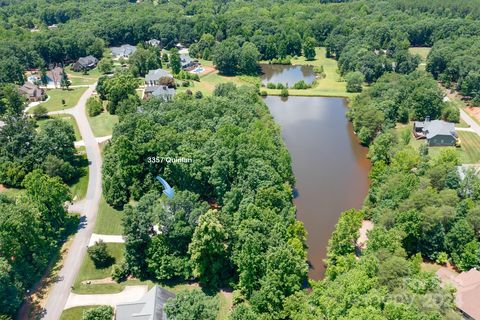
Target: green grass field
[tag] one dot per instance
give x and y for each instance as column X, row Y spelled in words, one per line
column 79, row 188
column 74, row 313
column 71, row 98
column 423, row 53
column 78, row 78
column 102, row 125
column 89, row 272
column 109, row 220
column 470, row 147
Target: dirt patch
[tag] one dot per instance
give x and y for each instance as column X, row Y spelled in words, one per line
column 207, row 70
column 108, row 280
column 473, row 112
column 2, row 188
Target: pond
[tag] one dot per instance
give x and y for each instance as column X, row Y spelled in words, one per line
column 330, row 166
column 287, row 75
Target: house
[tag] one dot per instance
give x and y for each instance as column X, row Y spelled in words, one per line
column 32, row 92
column 153, row 77
column 160, row 92
column 437, row 132
column 187, row 62
column 153, row 42
column 85, row 63
column 124, row 51
column 54, row 76
column 149, row 307
column 467, row 296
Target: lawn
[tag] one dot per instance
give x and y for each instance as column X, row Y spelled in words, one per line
column 79, row 188
column 109, row 220
column 54, row 103
column 423, row 53
column 78, row 78
column 41, row 123
column 88, row 270
column 470, row 147
column 102, row 125
column 75, row 313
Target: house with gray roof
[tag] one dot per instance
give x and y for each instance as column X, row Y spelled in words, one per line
column 153, row 42
column 153, row 77
column 160, row 92
column 32, row 92
column 149, row 307
column 187, row 62
column 437, row 132
column 124, row 51
column 85, row 63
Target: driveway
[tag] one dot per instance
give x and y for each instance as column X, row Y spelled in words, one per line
column 472, row 123
column 129, row 294
column 107, row 238
column 59, row 293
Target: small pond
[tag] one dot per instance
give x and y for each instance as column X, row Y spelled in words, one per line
column 330, row 166
column 287, row 75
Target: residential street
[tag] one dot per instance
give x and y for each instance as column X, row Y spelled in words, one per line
column 60, row 291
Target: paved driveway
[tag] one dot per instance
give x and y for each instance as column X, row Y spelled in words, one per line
column 129, row 294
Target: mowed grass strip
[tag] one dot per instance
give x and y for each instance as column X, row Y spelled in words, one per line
column 109, row 220
column 470, row 149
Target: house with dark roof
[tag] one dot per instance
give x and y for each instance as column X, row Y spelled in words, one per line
column 124, row 51
column 153, row 77
column 85, row 63
column 153, row 42
column 467, row 285
column 187, row 62
column 160, row 92
column 149, row 307
column 437, row 132
column 32, row 92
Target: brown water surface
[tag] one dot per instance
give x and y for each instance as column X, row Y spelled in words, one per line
column 329, row 164
column 287, row 75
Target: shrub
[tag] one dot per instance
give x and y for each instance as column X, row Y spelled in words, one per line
column 189, row 92
column 98, row 313
column 100, row 256
column 263, row 93
column 280, row 86
column 94, row 106
column 198, row 95
column 271, row 85
column 119, row 272
column 451, row 114
column 442, row 258
column 284, row 93
column 194, row 77
column 185, row 83
column 301, row 85
column 40, row 112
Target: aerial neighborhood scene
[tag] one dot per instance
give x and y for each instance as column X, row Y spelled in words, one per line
column 240, row 159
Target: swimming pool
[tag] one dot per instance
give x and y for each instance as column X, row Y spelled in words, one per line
column 198, row 70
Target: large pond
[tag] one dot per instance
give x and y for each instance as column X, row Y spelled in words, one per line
column 330, row 166
column 287, row 75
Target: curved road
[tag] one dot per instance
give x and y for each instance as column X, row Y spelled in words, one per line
column 60, row 291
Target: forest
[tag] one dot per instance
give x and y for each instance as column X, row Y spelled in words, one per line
column 232, row 222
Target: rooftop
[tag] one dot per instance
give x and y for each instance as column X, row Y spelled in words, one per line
column 123, row 50
column 436, row 127
column 149, row 307
column 157, row 74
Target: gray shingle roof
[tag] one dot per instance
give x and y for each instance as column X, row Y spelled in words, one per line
column 124, row 50
column 149, row 307
column 439, row 127
column 88, row 61
column 155, row 75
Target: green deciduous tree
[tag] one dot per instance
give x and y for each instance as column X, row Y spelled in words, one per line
column 192, row 304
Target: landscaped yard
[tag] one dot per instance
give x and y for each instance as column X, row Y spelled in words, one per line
column 109, row 220
column 54, row 102
column 78, row 78
column 89, row 272
column 74, row 313
column 102, row 125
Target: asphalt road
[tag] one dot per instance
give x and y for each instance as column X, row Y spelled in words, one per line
column 473, row 125
column 60, row 291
